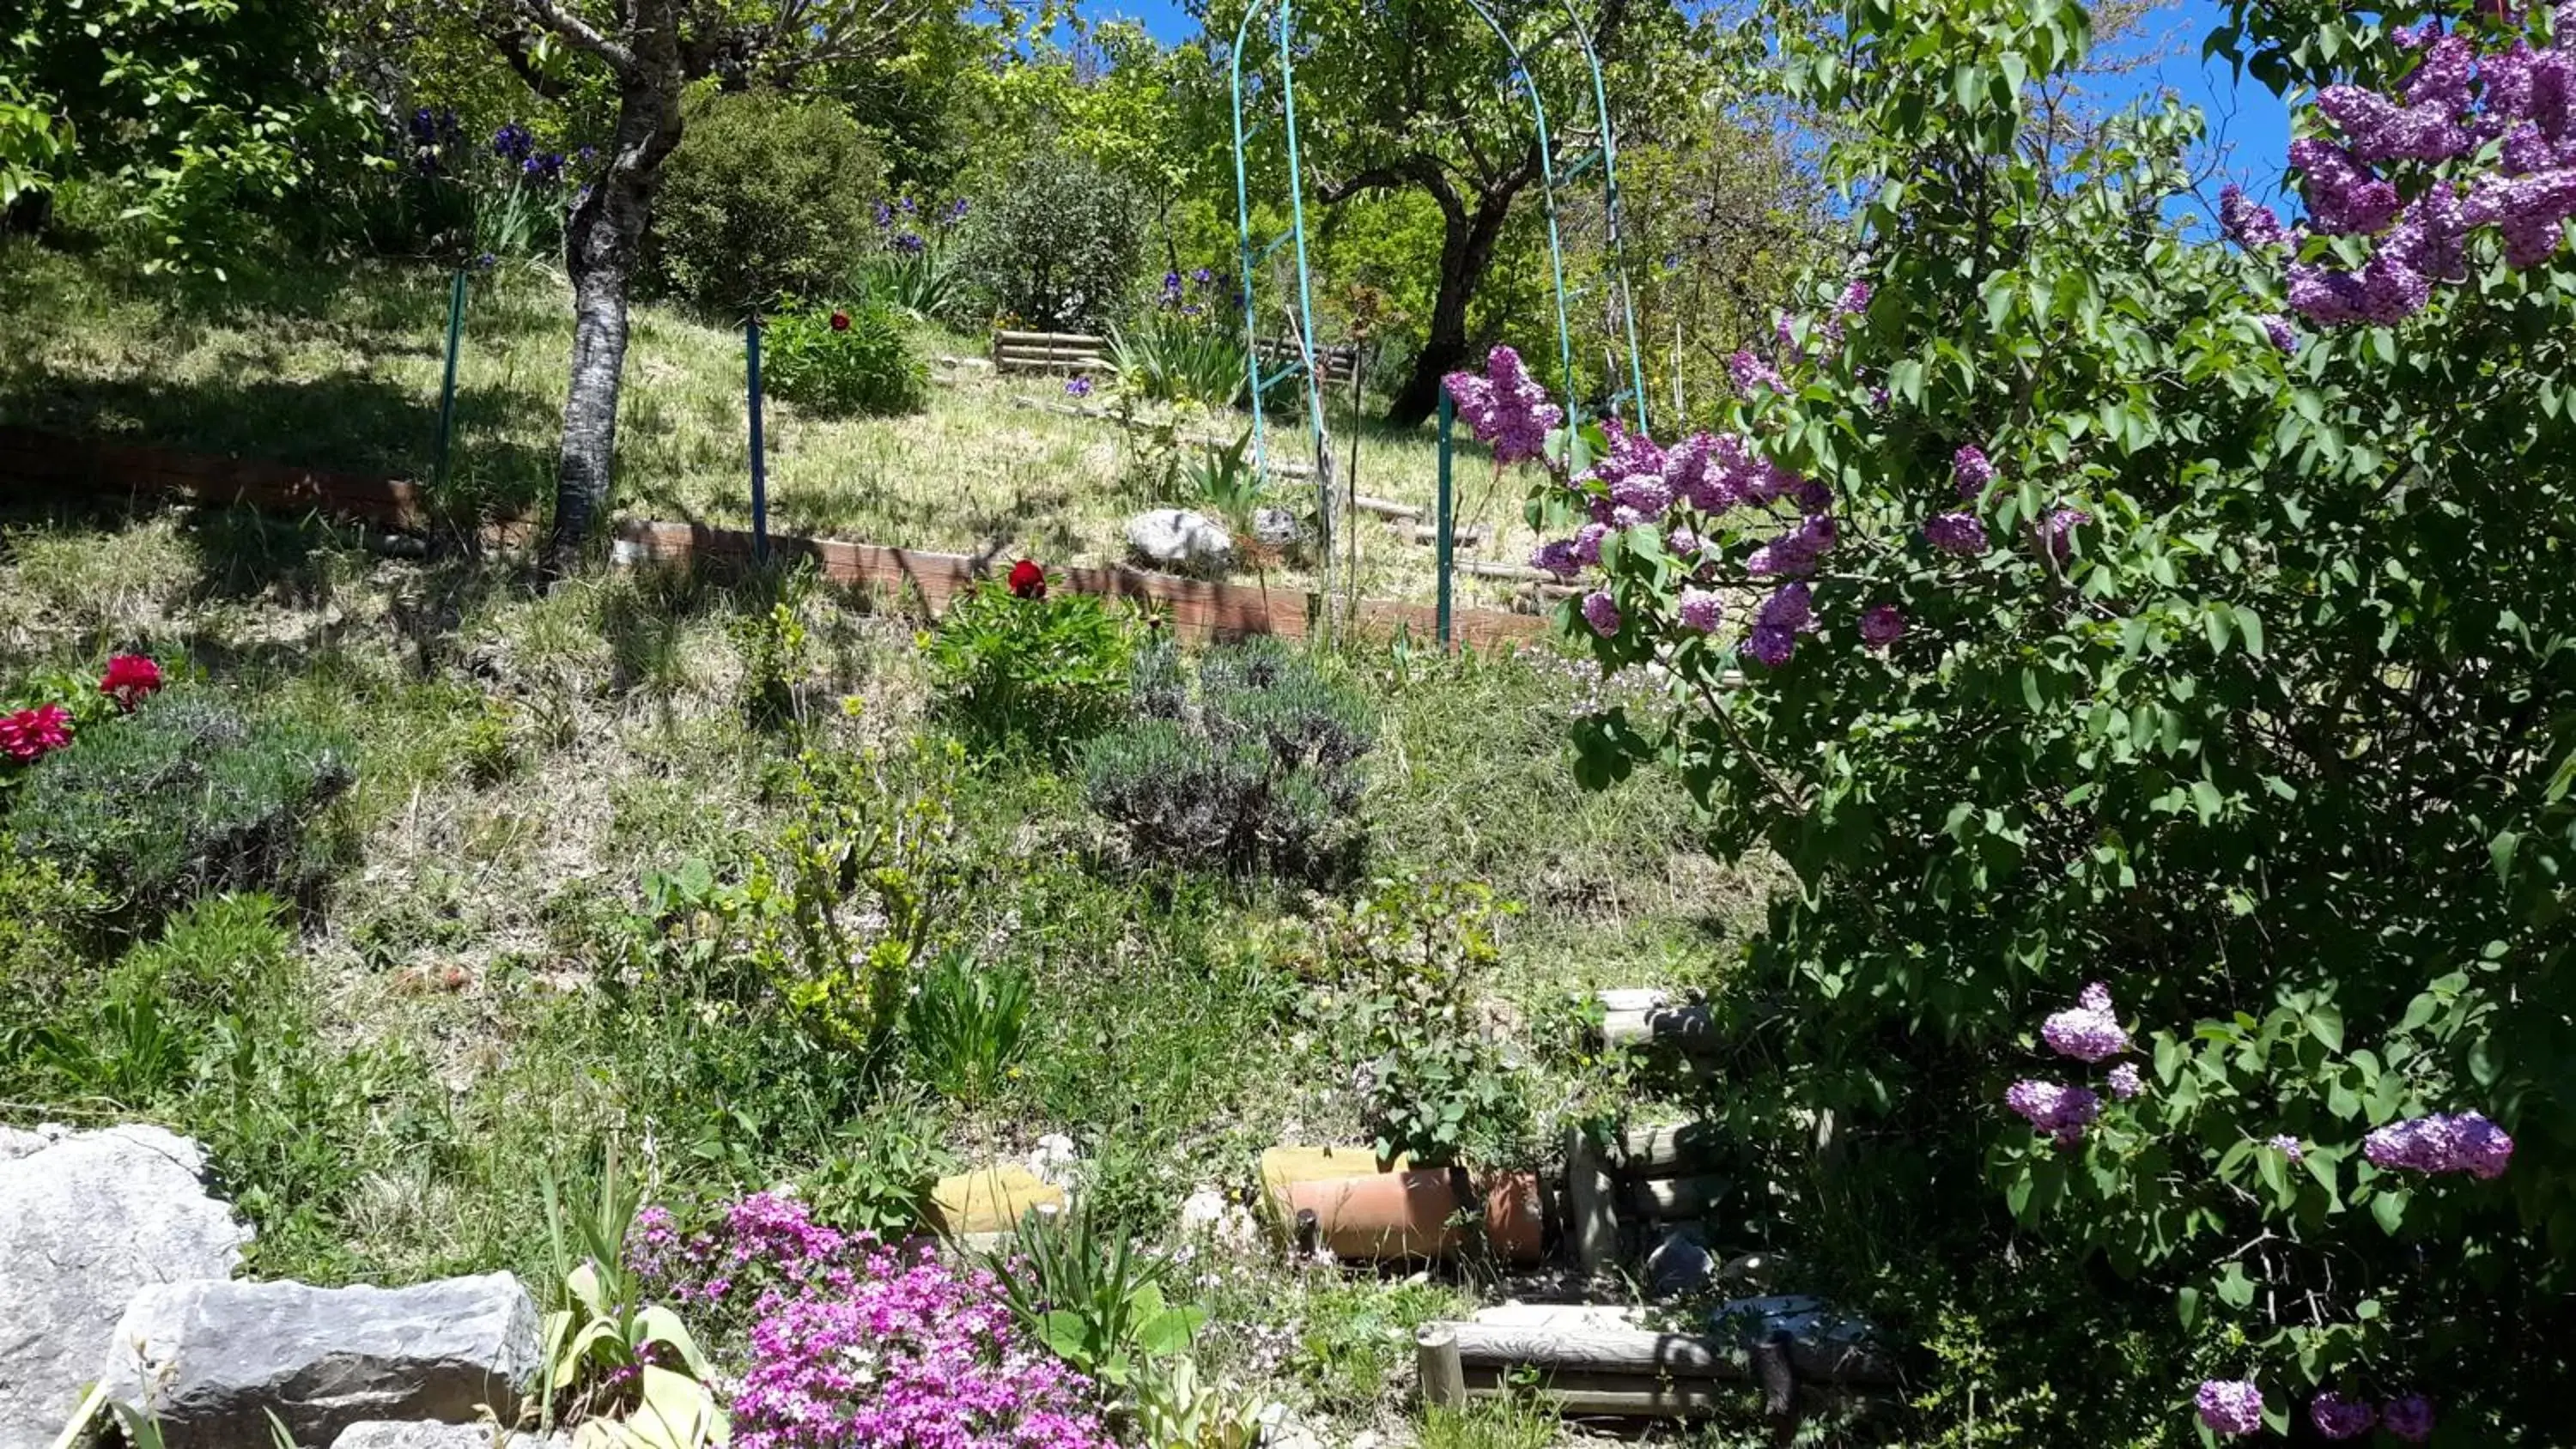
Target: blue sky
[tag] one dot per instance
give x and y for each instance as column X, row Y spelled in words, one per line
column 2245, row 118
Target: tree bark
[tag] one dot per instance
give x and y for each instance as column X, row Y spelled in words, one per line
column 1467, row 240
column 603, row 242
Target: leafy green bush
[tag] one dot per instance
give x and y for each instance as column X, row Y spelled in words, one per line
column 841, row 360
column 1407, row 967
column 1079, row 1286
column 765, row 195
column 1261, row 771
column 914, row 265
column 2175, row 751
column 186, row 796
column 48, row 918
column 1057, row 244
column 1043, row 671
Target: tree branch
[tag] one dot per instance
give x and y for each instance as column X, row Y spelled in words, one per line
column 577, row 33
column 513, row 45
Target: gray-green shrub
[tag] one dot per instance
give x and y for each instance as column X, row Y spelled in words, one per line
column 1057, row 245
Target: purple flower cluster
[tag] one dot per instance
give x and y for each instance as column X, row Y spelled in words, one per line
column 1751, row 372
column 1778, row 621
column 1699, row 610
column 1795, row 553
column 2337, row 1417
column 855, row 1344
column 1601, row 612
column 2278, row 329
column 2288, row 1146
column 514, row 143
column 2442, row 1142
column 2249, row 223
column 2061, row 1111
column 2124, row 1081
column 1960, row 533
column 2409, row 1418
column 1973, row 472
column 2231, row 1406
column 2055, row 535
column 1506, row 407
column 2088, row 1031
column 1882, row 626
column 2456, row 102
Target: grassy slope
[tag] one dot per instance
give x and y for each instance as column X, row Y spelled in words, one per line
column 342, row 370
column 524, row 760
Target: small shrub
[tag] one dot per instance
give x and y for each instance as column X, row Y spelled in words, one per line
column 187, row 796
column 1173, row 358
column 766, row 194
column 1079, row 1286
column 966, row 1026
column 914, row 265
column 1039, row 671
column 1407, row 965
column 1262, row 771
column 880, row 1178
column 841, row 360
column 1057, row 244
column 47, row 917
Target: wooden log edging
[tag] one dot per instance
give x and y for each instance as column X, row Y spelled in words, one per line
column 1589, row 1360
column 35, row 462
column 1194, row 608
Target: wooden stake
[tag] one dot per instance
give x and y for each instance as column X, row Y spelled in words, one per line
column 1435, row 1357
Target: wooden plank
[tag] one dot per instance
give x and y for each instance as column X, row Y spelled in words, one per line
column 1627, row 1396
column 1388, row 508
column 1596, row 1203
column 1676, row 1199
column 1584, row 1348
column 1668, row 1149
column 1435, row 1357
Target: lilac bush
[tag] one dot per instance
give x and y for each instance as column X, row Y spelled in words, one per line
column 848, row 1342
column 2232, row 676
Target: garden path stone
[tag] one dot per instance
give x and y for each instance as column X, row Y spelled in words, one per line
column 209, row 1359
column 415, row 1434
column 1176, row 538
column 1681, row 1264
column 86, row 1219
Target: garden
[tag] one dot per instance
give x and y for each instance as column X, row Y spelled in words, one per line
column 2009, row 888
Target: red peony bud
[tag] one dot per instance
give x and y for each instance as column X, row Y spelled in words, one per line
column 840, row 321
column 1028, row 581
column 130, row 677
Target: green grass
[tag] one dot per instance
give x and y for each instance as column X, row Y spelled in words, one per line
column 341, row 369
column 464, row 992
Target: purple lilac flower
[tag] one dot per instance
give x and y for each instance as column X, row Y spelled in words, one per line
column 2343, row 198
column 1878, row 399
column 2337, row 1417
column 2088, row 1031
column 2124, row 1081
column 1959, row 533
column 1682, row 543
column 2062, row 1112
column 1751, row 372
column 2054, row 536
column 2409, row 1417
column 2288, row 1146
column 1795, row 553
column 1645, row 493
column 2278, row 329
column 1601, row 612
column 2249, row 223
column 1971, row 470
column 424, row 127
column 2381, row 130
column 1854, row 300
column 1882, row 626
column 1077, row 387
column 1699, row 610
column 1587, row 543
column 1688, row 474
column 1506, row 407
column 1790, row 607
column 1772, row 646
column 1556, row 556
column 2231, row 1406
column 2441, row 1142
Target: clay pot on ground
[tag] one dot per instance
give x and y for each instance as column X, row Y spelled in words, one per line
column 1405, row 1212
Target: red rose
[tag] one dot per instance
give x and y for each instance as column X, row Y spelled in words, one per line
column 130, row 678
column 31, row 734
column 840, row 320
column 1028, row 581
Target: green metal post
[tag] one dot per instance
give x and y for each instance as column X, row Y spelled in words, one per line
column 759, row 455
column 1547, row 190
column 447, row 389
column 1445, row 545
column 1610, row 212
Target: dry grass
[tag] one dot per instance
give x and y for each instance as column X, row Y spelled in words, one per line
column 343, row 369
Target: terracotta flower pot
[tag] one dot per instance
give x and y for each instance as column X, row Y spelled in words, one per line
column 1407, row 1212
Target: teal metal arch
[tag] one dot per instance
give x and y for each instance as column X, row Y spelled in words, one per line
column 1251, row 261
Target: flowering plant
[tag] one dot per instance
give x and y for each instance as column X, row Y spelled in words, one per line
column 850, row 1342
column 2081, row 600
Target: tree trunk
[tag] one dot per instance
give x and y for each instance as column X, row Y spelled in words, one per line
column 603, row 242
column 1466, row 253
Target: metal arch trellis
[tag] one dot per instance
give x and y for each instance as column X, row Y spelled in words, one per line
column 1606, row 156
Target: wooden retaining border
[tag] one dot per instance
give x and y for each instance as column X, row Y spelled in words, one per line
column 34, row 462
column 1194, row 609
column 1651, row 1177
column 1049, row 352
column 1606, row 1361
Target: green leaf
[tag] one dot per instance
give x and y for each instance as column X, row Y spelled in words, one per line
column 2187, row 1305
column 2325, row 1023
column 2251, row 627
column 2215, row 621
column 2390, row 1209
column 2234, row 1288
column 2206, row 799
